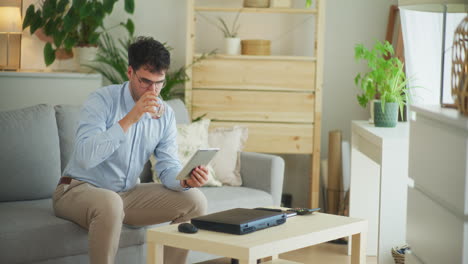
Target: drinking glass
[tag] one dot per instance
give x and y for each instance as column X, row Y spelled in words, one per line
column 159, row 109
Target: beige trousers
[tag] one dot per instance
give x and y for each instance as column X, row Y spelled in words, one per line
column 102, row 213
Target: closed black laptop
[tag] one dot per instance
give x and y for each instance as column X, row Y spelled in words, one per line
column 239, row 221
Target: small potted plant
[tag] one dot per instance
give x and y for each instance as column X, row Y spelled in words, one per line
column 231, row 41
column 385, row 79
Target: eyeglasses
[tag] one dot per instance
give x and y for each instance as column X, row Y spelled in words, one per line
column 147, row 83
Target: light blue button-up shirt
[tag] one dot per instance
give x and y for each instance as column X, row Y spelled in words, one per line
column 107, row 157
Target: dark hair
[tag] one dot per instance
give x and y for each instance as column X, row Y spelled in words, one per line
column 146, row 51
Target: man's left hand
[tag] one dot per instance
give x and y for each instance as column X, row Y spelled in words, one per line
column 198, row 177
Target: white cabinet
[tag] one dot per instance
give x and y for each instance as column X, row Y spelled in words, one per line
column 437, row 230
column 23, row 89
column 378, row 192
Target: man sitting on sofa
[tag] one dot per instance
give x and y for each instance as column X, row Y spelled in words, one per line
column 116, row 135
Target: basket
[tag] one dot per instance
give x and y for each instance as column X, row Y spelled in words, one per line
column 257, row 3
column 398, row 257
column 255, row 47
column 398, row 254
column 280, row 3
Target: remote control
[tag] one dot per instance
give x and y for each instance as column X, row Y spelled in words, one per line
column 303, row 211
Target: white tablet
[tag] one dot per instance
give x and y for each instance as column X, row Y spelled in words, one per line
column 201, row 157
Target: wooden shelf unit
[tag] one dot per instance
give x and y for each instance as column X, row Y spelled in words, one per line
column 279, row 98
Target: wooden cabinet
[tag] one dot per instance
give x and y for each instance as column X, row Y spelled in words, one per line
column 278, row 97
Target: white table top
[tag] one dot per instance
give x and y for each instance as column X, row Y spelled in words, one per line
column 297, row 232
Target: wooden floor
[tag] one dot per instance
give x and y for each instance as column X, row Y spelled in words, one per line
column 326, row 253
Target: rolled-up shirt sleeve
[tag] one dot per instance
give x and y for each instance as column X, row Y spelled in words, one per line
column 94, row 141
column 168, row 165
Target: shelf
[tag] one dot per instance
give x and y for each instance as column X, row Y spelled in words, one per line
column 258, row 10
column 50, row 75
column 258, row 57
column 253, row 88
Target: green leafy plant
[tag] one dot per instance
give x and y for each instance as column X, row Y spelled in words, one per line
column 72, row 22
column 112, row 62
column 308, row 3
column 386, row 77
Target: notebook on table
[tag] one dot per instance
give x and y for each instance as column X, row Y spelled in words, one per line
column 239, row 221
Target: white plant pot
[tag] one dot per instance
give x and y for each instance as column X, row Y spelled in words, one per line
column 85, row 55
column 232, row 46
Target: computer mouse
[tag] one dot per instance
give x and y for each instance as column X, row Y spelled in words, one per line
column 187, row 228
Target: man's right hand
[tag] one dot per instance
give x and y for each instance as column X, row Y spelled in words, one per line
column 146, row 104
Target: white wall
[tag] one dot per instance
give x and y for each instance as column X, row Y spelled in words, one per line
column 347, row 23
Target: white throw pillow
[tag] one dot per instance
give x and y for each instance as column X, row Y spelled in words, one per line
column 191, row 137
column 226, row 163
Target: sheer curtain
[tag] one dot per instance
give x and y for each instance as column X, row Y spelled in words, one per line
column 422, row 36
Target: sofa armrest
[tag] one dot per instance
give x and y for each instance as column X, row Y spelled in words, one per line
column 264, row 172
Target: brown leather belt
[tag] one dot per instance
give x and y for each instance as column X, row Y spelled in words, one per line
column 65, row 180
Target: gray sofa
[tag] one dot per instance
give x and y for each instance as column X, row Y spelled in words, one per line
column 35, row 145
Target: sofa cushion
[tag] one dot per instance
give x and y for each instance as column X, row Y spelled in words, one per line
column 30, row 156
column 227, row 162
column 190, row 138
column 67, row 121
column 25, row 225
column 228, row 197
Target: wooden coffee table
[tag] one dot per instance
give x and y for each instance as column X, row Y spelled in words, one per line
column 298, row 232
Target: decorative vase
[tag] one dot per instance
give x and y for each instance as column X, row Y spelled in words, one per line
column 232, row 46
column 387, row 118
column 85, row 56
column 460, row 67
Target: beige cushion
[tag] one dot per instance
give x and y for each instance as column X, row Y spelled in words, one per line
column 191, row 137
column 226, row 163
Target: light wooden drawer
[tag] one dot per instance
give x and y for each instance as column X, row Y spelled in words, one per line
column 275, row 138
column 433, row 233
column 254, row 74
column 437, row 161
column 253, row 106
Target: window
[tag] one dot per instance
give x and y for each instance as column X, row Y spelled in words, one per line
column 422, row 34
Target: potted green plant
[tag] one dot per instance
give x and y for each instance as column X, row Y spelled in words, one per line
column 71, row 23
column 231, row 41
column 385, row 79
